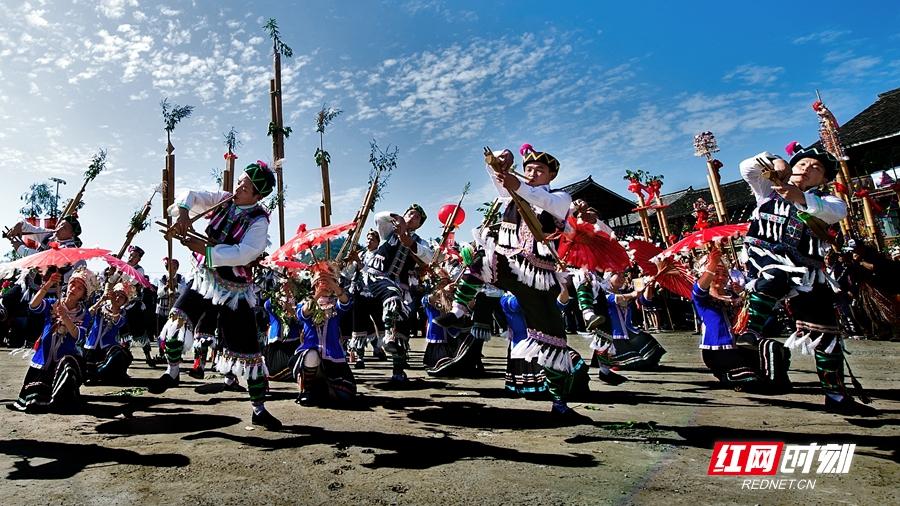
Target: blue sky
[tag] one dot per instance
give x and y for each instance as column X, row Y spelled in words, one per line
column 604, row 86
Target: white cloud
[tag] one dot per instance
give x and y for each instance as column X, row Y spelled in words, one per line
column 114, row 9
column 822, row 37
column 856, row 67
column 440, row 8
column 36, row 18
column 754, row 74
column 168, row 11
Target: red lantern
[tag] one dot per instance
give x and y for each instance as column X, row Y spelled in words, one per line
column 447, row 210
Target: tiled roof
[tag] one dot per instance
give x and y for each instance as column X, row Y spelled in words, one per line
column 879, row 120
column 608, row 203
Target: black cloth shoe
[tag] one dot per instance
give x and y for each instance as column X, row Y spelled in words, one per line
column 265, row 419
column 196, row 373
column 360, row 364
column 848, row 406
column 594, row 324
column 570, row 417
column 611, row 378
column 451, row 321
column 147, row 358
column 305, row 399
column 162, row 384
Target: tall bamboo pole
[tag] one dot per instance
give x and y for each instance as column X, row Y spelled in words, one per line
column 663, row 221
column 278, row 143
column 829, row 134
column 326, row 203
column 645, row 219
column 170, row 190
column 228, row 174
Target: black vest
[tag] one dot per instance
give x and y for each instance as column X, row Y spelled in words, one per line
column 778, row 227
column 228, row 226
column 514, row 236
column 393, row 259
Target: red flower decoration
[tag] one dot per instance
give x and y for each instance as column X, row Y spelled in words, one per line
column 817, row 105
column 636, row 187
column 840, row 187
column 230, row 156
column 861, row 193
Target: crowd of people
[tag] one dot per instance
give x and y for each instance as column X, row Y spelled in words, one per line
column 255, row 321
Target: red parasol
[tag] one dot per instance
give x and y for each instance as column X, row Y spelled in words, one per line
column 585, row 247
column 675, row 277
column 57, row 257
column 307, row 239
column 127, row 269
column 705, row 236
column 287, row 264
column 643, row 251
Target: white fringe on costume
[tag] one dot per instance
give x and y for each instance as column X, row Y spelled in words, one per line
column 801, row 277
column 802, row 340
column 221, row 292
column 549, row 356
column 532, row 276
column 242, row 367
column 204, row 339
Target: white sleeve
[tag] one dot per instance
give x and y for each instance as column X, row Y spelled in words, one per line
column 423, row 250
column 37, row 234
column 24, row 251
column 751, row 172
column 385, row 225
column 555, row 203
column 828, row 208
column 197, row 201
column 249, row 249
column 501, row 190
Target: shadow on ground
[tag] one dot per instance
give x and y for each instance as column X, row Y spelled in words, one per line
column 69, row 459
column 403, row 451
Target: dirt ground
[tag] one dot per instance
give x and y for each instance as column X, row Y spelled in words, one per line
column 448, row 441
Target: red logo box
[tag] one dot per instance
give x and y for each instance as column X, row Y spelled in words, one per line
column 737, row 458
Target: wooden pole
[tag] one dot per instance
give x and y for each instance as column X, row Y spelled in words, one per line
column 715, row 191
column 663, row 221
column 872, row 231
column 228, row 175
column 170, row 193
column 277, row 150
column 645, row 220
column 326, row 201
column 280, row 116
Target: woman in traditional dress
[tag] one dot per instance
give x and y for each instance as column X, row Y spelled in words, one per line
column 54, row 376
column 107, row 360
column 319, row 365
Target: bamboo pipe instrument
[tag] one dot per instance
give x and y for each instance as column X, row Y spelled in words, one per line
column 524, row 208
column 170, row 230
